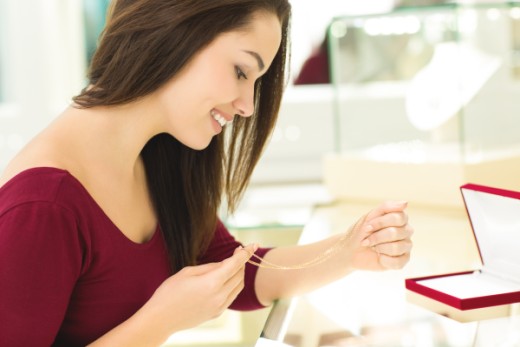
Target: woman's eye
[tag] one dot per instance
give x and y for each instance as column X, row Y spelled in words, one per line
column 240, row 73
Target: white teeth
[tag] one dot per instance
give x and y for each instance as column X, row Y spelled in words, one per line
column 221, row 120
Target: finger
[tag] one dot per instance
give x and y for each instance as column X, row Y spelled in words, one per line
column 394, row 249
column 234, row 293
column 236, row 262
column 230, row 289
column 386, row 207
column 227, row 294
column 386, row 235
column 236, row 285
column 249, row 249
column 236, row 281
column 369, row 223
column 392, row 219
column 394, row 263
column 200, row 269
column 240, row 252
column 360, row 230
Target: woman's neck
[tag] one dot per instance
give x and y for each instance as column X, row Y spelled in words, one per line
column 112, row 137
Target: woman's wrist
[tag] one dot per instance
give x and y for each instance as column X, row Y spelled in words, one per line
column 345, row 255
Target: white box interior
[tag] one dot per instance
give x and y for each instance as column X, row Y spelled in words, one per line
column 495, row 220
column 471, row 285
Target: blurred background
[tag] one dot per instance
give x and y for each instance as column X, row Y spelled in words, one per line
column 387, row 99
column 45, row 46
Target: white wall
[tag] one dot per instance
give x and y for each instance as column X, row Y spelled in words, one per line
column 304, row 132
column 43, row 66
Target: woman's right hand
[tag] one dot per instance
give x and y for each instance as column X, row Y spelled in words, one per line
column 198, row 293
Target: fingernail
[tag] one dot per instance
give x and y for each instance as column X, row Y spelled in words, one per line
column 365, row 243
column 251, row 246
column 369, row 228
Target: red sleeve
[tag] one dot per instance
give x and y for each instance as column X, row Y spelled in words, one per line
column 40, row 260
column 222, row 246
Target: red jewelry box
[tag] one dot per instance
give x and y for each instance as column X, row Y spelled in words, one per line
column 495, row 220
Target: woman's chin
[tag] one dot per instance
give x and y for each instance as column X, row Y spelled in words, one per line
column 198, row 145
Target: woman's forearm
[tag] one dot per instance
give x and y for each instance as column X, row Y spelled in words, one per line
column 380, row 240
column 299, row 281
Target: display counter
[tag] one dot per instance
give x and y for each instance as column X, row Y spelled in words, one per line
column 374, row 308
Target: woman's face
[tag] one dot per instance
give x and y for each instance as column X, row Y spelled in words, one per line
column 218, row 83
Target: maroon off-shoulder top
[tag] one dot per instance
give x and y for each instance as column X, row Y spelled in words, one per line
column 68, row 274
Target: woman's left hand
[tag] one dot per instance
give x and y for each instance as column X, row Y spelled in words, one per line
column 381, row 240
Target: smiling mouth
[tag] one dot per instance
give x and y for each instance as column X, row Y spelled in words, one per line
column 219, row 118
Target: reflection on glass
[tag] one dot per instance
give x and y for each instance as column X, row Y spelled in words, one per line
column 315, row 69
column 433, row 79
column 307, row 324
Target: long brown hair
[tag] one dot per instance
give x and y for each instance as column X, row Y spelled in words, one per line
column 144, row 44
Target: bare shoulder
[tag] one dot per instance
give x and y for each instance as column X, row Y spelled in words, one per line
column 52, row 147
column 42, row 151
column 34, row 154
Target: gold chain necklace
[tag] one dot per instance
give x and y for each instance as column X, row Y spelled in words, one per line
column 327, row 254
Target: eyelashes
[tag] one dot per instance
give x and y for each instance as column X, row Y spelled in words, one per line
column 240, row 74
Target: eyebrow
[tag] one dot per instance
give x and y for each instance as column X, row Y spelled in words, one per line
column 258, row 58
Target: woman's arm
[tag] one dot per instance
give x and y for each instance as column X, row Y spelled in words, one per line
column 380, row 240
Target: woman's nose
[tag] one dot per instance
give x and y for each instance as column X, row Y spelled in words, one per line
column 244, row 104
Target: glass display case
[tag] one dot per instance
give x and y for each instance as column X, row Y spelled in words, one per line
column 372, row 309
column 426, row 94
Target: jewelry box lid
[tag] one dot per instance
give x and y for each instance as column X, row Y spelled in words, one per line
column 494, row 215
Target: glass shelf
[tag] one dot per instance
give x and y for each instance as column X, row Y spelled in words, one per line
column 435, row 85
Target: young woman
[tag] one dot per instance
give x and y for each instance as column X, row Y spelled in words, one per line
column 109, row 234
